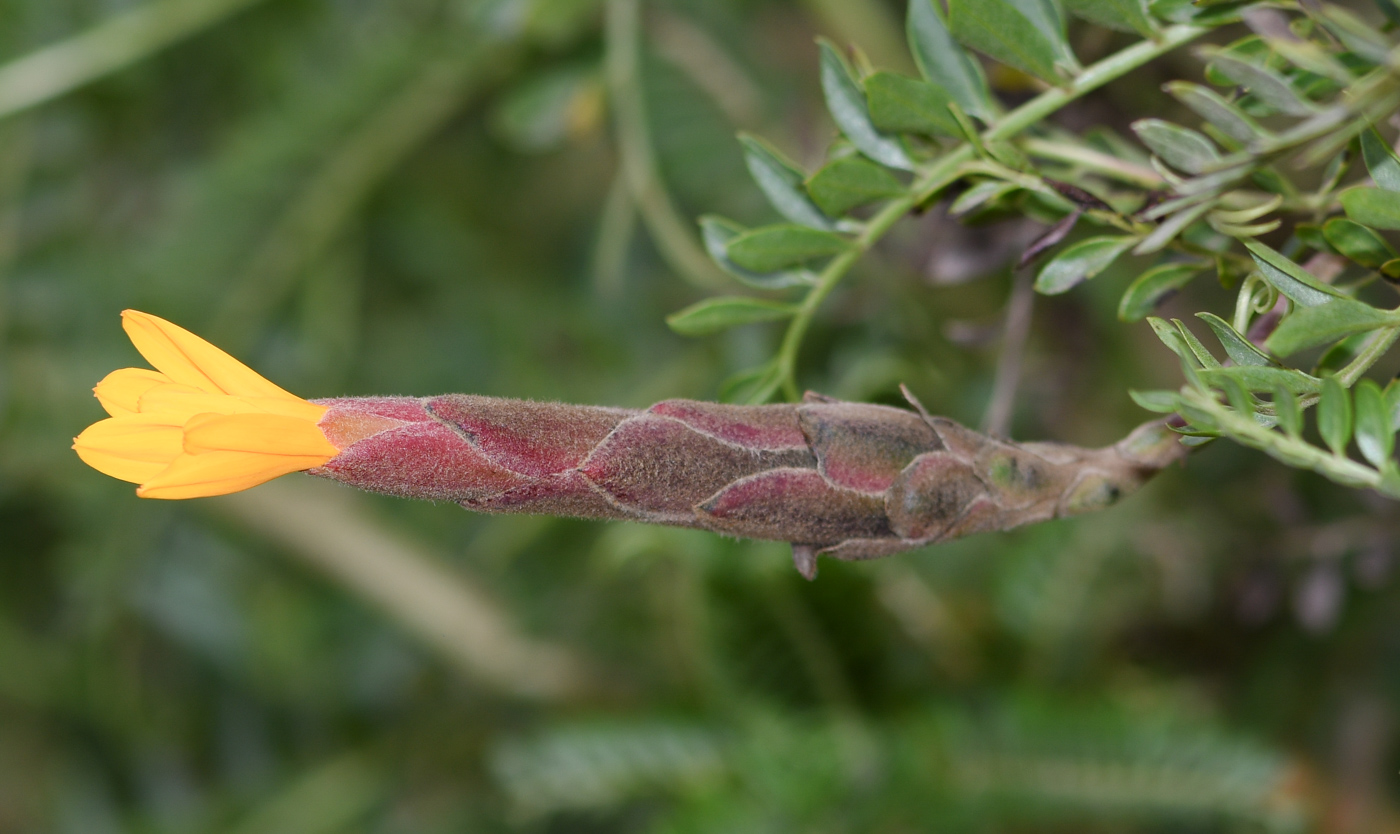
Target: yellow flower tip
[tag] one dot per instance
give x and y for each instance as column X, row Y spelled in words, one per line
column 201, row 424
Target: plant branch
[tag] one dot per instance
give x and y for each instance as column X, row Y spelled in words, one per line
column 948, row 168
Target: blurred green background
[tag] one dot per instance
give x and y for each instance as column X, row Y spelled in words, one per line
column 427, row 196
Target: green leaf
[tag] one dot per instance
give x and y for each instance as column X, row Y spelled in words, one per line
column 1373, row 434
column 846, row 183
column 1312, row 237
column 753, row 386
column 1080, row 262
column 715, row 314
column 1125, row 15
column 1288, row 412
column 781, row 182
column 1159, row 402
column 1197, row 347
column 1334, row 415
column 1375, row 207
column 1172, row 339
column 1153, row 287
column 1343, row 353
column 907, row 105
column 771, row 248
column 1355, row 34
column 979, row 195
column 1392, row 404
column 1048, row 17
column 944, row 62
column 1182, row 148
column 1357, row 242
column 718, row 232
column 1268, row 86
column 1256, row 378
column 846, row 101
column 1237, row 347
column 1308, row 326
column 1000, row 30
column 1380, row 160
column 1235, row 395
column 1289, row 278
column 1225, row 116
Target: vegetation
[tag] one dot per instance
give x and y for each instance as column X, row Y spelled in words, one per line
column 494, row 196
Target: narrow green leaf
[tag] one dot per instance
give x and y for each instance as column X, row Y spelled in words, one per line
column 1256, row 378
column 1172, row 339
column 753, row 386
column 1182, row 148
column 1124, row 15
column 781, row 182
column 846, row 101
column 1197, row 347
column 1049, row 18
column 1080, row 262
column 1380, row 160
column 1235, row 395
column 907, row 105
column 771, row 248
column 715, row 314
column 1392, row 404
column 1343, row 353
column 1290, row 278
column 1168, row 229
column 1309, row 326
column 1268, row 86
column 943, row 61
column 1357, row 242
column 1288, row 412
column 1375, row 207
column 1154, row 286
column 1334, row 415
column 1225, row 116
column 979, row 195
column 1236, row 346
column 1373, row 434
column 1000, row 30
column 845, row 183
column 1159, row 402
column 1355, row 34
column 718, row 232
column 1312, row 237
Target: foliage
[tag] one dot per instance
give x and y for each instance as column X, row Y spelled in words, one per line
column 493, row 196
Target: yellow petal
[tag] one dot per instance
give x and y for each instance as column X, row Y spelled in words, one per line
column 219, row 473
column 135, row 448
column 181, row 402
column 120, row 391
column 189, row 360
column 267, row 434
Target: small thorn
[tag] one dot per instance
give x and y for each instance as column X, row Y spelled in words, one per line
column 814, row 397
column 804, row 557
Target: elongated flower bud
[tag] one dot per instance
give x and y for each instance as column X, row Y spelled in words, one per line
column 848, row 480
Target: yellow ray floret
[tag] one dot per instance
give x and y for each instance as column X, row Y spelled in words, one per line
column 202, row 423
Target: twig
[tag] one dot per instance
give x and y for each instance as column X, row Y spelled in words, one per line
column 1019, row 307
column 674, row 239
column 123, row 40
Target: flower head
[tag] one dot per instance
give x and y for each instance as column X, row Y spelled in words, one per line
column 201, row 424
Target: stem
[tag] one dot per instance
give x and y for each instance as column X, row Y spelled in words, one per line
column 120, row 41
column 947, row 169
column 672, row 235
column 1369, row 355
column 997, row 420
